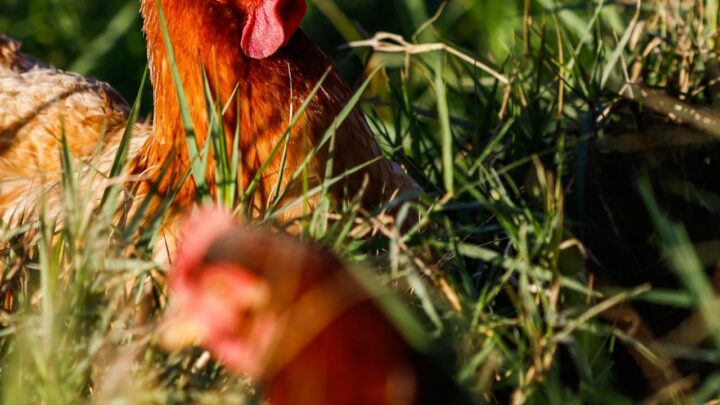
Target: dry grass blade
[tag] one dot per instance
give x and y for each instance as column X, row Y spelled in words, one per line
column 393, row 43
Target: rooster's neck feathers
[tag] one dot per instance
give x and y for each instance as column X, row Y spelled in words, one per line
column 207, row 36
column 261, row 95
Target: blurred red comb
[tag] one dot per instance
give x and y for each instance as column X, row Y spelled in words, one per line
column 200, row 231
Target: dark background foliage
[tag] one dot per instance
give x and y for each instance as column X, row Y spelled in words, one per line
column 104, row 39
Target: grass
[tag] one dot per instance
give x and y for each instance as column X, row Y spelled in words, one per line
column 567, row 247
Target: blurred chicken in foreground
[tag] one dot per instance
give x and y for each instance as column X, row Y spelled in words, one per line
column 295, row 320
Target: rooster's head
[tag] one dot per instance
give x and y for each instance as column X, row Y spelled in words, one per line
column 262, row 26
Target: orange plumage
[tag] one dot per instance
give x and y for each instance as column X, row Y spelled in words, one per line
column 295, row 319
column 218, row 36
column 225, row 37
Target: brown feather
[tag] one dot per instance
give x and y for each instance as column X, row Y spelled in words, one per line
column 38, row 105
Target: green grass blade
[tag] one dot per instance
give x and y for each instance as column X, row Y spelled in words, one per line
column 276, row 149
column 123, row 147
column 197, row 161
column 684, row 260
column 446, row 136
column 329, row 133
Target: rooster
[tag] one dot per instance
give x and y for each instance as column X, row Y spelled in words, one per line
column 296, row 320
column 257, row 61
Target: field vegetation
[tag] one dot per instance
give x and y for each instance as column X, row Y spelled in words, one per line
column 568, row 249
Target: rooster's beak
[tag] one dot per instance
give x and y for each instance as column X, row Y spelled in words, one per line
column 178, row 330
